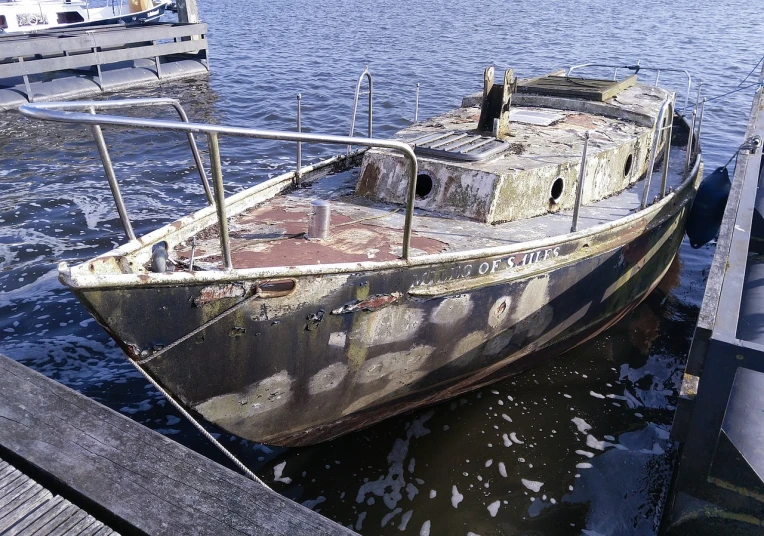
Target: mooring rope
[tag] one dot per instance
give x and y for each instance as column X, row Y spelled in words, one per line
column 752, row 70
column 749, row 86
column 199, row 427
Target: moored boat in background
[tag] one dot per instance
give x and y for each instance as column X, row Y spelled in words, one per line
column 17, row 16
column 311, row 304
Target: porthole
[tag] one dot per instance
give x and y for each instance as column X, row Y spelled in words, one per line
column 555, row 193
column 423, row 185
column 627, row 165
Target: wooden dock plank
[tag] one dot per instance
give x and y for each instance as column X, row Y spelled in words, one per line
column 29, row 509
column 143, row 480
column 22, row 505
column 68, row 526
column 39, row 518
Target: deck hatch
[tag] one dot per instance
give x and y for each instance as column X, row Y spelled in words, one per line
column 576, row 88
column 456, row 145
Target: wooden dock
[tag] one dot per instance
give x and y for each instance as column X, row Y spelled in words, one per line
column 719, row 482
column 134, row 480
column 27, row 508
column 82, row 62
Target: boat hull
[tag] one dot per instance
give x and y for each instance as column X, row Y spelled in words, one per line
column 346, row 349
column 22, row 18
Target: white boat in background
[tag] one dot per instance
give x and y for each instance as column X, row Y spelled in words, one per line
column 17, row 16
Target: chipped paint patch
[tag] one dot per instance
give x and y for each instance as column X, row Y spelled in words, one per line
column 400, row 382
column 498, row 343
column 452, row 309
column 261, row 397
column 337, row 339
column 533, row 308
column 392, row 324
column 373, row 303
column 468, row 343
column 327, row 378
column 394, row 365
column 499, row 312
column 218, row 292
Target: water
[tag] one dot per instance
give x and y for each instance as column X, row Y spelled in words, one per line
column 578, row 446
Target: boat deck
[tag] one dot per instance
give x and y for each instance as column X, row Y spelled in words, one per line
column 273, row 233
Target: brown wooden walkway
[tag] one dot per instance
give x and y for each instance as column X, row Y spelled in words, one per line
column 27, row 508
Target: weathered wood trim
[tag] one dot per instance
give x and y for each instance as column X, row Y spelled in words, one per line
column 99, row 58
column 80, row 40
column 582, row 88
column 144, row 482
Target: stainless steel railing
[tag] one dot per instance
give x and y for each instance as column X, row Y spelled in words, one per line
column 62, row 112
column 367, row 74
column 636, row 68
column 665, row 115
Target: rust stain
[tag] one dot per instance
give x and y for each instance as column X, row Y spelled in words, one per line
column 218, row 292
column 583, row 120
column 372, row 303
column 273, row 235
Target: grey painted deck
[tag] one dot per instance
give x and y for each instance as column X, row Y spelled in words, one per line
column 27, row 508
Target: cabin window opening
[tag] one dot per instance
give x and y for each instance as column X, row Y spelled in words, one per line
column 558, row 186
column 69, row 17
column 627, row 165
column 3, row 22
column 423, row 185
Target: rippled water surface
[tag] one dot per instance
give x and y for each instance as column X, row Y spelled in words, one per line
column 579, row 445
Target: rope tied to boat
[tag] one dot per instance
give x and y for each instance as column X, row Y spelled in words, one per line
column 749, row 86
column 228, row 454
column 750, row 144
column 752, row 71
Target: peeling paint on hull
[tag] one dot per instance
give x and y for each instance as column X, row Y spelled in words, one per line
column 294, row 374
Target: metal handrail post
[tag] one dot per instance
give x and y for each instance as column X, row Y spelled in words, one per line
column 60, row 112
column 580, row 189
column 653, row 152
column 217, row 177
column 298, row 172
column 416, row 105
column 367, row 74
column 700, row 121
column 195, row 152
column 667, row 152
column 108, row 168
column 690, row 140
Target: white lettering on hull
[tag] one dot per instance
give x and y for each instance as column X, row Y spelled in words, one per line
column 444, row 274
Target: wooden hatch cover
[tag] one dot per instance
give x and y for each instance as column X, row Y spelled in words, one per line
column 579, row 88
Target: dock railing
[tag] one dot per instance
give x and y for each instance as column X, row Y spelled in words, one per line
column 67, row 112
column 59, row 50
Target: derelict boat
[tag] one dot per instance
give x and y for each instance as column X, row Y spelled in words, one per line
column 17, row 16
column 319, row 302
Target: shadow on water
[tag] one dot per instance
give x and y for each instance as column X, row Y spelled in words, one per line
column 576, row 446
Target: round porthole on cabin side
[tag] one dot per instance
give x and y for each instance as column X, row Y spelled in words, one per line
column 555, row 192
column 627, row 165
column 423, row 185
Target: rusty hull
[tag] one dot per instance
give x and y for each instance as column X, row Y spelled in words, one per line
column 351, row 344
